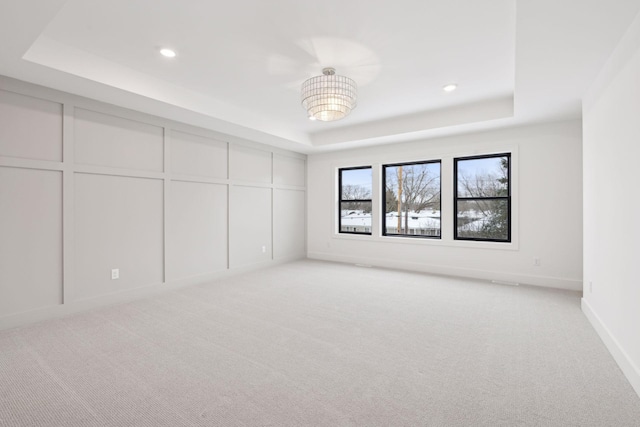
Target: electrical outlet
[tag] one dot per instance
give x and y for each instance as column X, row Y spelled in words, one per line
column 536, row 262
column 115, row 273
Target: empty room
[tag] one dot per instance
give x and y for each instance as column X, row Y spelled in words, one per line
column 335, row 213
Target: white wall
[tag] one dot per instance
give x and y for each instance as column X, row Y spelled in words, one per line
column 87, row 187
column 547, row 203
column 611, row 117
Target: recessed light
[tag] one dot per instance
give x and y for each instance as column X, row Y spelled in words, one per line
column 450, row 87
column 168, row 53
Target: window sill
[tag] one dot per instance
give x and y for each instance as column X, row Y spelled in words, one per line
column 419, row 241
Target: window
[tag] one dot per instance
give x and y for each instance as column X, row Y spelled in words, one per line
column 354, row 211
column 482, row 200
column 411, row 199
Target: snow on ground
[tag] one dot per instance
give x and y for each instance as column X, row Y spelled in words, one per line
column 417, row 220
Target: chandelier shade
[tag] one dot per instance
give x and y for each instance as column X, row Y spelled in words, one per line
column 329, row 97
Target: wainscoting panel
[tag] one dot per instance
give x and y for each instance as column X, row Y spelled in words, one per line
column 198, row 156
column 250, row 225
column 250, row 164
column 288, row 170
column 196, row 229
column 106, row 140
column 119, row 225
column 289, row 221
column 30, row 239
column 30, row 128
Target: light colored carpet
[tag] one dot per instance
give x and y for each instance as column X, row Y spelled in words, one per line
column 319, row 344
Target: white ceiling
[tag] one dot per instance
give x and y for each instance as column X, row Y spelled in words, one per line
column 240, row 64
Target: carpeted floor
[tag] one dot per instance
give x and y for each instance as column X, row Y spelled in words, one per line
column 319, row 344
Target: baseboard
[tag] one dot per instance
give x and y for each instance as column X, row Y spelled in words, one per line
column 24, row 318
column 544, row 281
column 629, row 369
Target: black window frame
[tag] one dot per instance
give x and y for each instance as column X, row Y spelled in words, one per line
column 384, row 199
column 456, row 198
column 341, row 200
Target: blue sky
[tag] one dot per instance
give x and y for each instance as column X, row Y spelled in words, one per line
column 471, row 167
column 357, row 177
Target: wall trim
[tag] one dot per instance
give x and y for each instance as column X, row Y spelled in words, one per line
column 543, row 281
column 290, row 175
column 202, row 126
column 629, row 369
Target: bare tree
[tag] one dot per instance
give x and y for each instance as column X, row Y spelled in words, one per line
column 493, row 212
column 356, row 193
column 418, row 188
column 391, row 200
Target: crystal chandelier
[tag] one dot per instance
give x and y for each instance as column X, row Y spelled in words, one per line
column 329, row 97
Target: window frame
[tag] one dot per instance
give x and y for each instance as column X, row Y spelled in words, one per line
column 508, row 198
column 341, row 200
column 383, row 206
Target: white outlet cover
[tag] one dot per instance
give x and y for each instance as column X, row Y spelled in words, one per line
column 115, row 273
